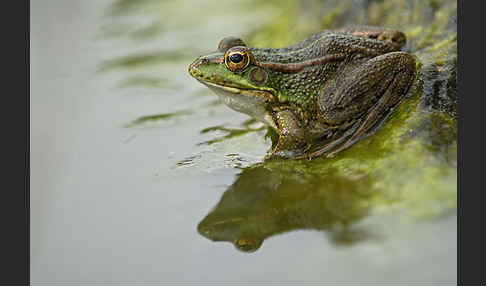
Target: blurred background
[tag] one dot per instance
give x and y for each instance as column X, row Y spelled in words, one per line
column 140, row 176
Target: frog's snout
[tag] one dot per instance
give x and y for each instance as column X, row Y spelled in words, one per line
column 198, row 62
column 194, row 67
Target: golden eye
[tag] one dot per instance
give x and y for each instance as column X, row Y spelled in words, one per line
column 237, row 59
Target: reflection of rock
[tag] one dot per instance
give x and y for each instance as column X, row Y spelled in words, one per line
column 266, row 201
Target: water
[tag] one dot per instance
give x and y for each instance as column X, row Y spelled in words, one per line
column 136, row 168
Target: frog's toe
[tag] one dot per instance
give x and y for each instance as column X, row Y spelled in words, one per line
column 331, row 155
column 284, row 154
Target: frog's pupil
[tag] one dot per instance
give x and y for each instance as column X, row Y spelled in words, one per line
column 236, row 58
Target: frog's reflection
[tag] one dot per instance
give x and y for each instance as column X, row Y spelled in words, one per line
column 272, row 198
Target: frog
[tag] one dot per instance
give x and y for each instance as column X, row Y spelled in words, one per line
column 319, row 96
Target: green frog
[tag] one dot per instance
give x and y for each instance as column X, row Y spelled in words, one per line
column 320, row 95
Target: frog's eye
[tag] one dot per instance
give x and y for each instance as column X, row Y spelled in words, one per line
column 229, row 42
column 237, row 58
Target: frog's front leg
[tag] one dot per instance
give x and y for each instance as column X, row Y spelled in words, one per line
column 292, row 134
column 364, row 94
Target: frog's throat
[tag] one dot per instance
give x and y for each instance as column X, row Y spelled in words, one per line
column 248, row 101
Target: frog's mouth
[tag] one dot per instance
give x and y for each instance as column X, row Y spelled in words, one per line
column 249, row 101
column 266, row 95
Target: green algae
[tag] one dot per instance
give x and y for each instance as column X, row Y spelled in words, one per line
column 230, row 133
column 157, row 118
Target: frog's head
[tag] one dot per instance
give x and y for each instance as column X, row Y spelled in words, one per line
column 233, row 74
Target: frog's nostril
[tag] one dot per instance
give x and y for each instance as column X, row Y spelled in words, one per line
column 198, row 63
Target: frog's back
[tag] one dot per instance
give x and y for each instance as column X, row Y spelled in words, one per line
column 312, row 47
column 323, row 44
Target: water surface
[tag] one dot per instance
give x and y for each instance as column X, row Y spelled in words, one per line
column 141, row 177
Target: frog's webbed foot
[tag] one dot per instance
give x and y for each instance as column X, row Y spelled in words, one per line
column 372, row 88
column 292, row 136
